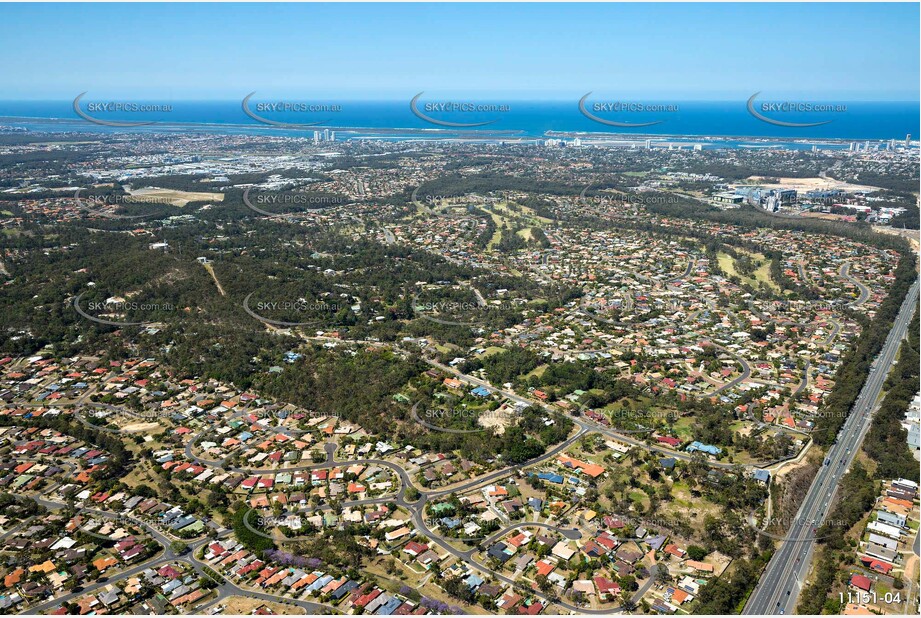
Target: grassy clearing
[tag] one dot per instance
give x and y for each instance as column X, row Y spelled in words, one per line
column 526, row 234
column 536, row 372
column 727, row 264
column 762, row 273
column 522, row 214
column 490, row 351
column 497, row 235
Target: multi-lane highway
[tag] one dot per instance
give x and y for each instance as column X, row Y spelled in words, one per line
column 782, row 581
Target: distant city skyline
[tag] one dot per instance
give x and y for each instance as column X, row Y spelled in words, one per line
column 213, row 52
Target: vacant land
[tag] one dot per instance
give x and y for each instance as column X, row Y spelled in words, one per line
column 244, row 606
column 808, row 184
column 174, row 197
column 762, row 273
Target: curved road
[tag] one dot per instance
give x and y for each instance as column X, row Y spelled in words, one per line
column 417, row 508
column 224, row 589
column 844, row 272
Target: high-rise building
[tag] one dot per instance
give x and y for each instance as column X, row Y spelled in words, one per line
column 908, row 140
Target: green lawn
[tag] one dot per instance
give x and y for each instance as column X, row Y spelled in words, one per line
column 490, row 351
column 762, row 273
column 536, row 372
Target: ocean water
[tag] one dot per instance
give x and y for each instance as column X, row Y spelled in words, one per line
column 856, row 120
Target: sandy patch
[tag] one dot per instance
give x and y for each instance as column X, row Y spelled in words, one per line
column 244, row 605
column 911, row 568
column 809, row 184
column 136, row 427
column 781, row 470
column 495, row 420
column 827, row 216
column 910, row 235
column 174, row 197
column 745, row 430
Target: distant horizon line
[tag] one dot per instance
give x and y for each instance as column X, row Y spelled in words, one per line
column 485, row 100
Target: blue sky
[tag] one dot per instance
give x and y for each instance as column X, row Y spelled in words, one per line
column 665, row 51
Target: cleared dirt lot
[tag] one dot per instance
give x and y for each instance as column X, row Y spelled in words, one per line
column 246, row 606
column 809, row 184
column 174, row 197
